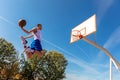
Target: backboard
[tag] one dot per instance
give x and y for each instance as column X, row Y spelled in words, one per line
column 84, row 29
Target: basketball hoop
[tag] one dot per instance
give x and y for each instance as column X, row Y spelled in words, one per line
column 78, row 34
column 83, row 29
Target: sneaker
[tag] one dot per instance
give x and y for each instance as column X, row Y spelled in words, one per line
column 25, row 42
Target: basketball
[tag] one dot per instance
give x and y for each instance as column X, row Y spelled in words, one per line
column 22, row 22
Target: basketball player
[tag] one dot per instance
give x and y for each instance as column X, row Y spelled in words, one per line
column 36, row 47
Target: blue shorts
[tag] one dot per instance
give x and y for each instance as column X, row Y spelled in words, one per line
column 36, row 45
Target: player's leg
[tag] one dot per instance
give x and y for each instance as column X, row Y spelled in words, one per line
column 36, row 45
column 28, row 54
column 39, row 53
column 27, row 50
column 39, row 49
column 24, row 42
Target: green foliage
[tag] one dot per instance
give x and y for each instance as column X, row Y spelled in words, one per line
column 9, row 65
column 50, row 67
column 6, row 48
column 55, row 66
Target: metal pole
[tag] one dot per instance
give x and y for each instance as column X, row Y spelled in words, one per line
column 117, row 65
column 110, row 69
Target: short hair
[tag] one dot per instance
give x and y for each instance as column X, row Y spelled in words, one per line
column 39, row 25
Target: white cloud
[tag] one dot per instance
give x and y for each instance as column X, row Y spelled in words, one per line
column 86, row 66
column 83, row 51
column 84, row 76
column 102, row 7
column 6, row 20
column 76, row 77
column 114, row 38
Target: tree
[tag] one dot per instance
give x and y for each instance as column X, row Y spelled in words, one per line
column 50, row 67
column 9, row 65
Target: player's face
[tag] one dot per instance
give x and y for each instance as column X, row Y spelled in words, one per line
column 39, row 27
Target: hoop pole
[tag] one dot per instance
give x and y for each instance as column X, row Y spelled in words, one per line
column 117, row 65
column 110, row 69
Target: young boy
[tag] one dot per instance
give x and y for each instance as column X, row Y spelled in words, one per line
column 36, row 47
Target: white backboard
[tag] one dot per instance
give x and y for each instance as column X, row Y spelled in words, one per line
column 86, row 28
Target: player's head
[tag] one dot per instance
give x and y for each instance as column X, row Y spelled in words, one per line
column 39, row 26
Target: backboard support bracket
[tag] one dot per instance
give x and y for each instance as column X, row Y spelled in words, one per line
column 112, row 60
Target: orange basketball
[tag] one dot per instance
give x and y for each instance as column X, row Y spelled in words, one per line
column 22, row 22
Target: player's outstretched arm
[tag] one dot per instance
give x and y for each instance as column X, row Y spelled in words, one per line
column 28, row 32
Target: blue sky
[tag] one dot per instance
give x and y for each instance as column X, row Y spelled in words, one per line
column 58, row 17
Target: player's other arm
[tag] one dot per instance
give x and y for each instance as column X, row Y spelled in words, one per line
column 28, row 36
